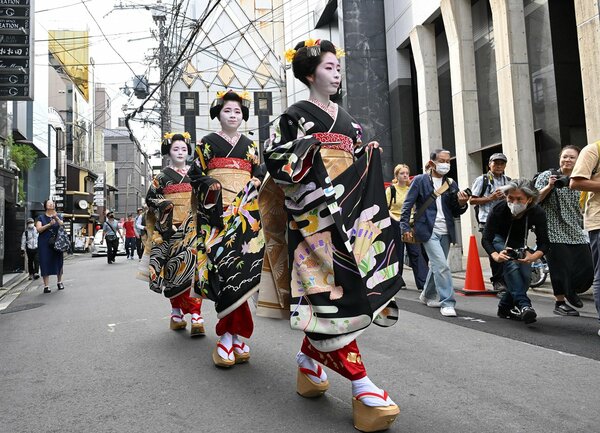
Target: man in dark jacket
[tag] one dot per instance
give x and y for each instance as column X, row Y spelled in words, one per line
column 437, row 201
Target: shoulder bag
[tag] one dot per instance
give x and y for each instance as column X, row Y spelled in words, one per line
column 434, row 195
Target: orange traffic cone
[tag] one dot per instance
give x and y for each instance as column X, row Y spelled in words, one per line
column 474, row 284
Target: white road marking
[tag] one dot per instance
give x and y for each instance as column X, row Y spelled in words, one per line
column 112, row 326
column 471, row 319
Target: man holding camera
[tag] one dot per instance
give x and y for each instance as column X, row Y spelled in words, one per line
column 437, row 201
column 487, row 192
column 505, row 240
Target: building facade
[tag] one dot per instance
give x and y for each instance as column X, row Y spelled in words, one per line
column 132, row 171
column 478, row 77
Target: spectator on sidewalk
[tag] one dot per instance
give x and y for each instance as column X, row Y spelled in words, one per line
column 130, row 237
column 569, row 257
column 505, row 240
column 586, row 177
column 140, row 230
column 486, row 192
column 29, row 246
column 395, row 195
column 437, row 201
column 110, row 232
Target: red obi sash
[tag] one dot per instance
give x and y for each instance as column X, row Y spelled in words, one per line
column 342, row 142
column 236, row 163
column 177, row 187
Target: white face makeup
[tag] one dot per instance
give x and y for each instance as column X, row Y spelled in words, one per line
column 178, row 153
column 231, row 116
column 327, row 77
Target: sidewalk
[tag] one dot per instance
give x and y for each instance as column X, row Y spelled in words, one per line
column 14, row 282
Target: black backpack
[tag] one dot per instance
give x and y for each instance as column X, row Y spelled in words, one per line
column 392, row 196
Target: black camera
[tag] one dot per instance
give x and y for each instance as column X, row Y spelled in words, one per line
column 562, row 182
column 516, row 253
column 468, row 191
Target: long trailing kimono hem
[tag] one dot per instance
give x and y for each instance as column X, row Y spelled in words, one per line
column 337, row 342
column 238, row 303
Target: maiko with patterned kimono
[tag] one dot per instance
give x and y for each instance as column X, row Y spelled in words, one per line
column 230, row 246
column 344, row 267
column 172, row 238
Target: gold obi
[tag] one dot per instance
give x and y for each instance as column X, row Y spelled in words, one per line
column 336, row 161
column 232, row 182
column 181, row 205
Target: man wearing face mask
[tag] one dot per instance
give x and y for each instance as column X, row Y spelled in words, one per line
column 438, row 201
column 29, row 245
column 505, row 240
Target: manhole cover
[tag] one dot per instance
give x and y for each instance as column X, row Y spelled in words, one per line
column 23, row 307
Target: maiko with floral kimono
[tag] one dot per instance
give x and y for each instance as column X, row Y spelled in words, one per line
column 226, row 176
column 344, row 267
column 172, row 236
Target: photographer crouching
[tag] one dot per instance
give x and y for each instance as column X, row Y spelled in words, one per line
column 505, row 240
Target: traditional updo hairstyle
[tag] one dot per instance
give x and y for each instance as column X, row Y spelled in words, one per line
column 306, row 59
column 165, row 147
column 219, row 103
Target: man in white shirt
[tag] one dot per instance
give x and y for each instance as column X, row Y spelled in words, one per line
column 29, row 246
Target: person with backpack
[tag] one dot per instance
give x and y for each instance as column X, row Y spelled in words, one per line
column 395, row 195
column 111, row 233
column 487, row 191
column 438, row 201
column 569, row 257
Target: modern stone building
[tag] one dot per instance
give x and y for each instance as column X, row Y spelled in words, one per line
column 478, row 77
column 132, row 171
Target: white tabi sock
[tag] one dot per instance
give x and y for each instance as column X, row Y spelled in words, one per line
column 367, row 388
column 197, row 318
column 176, row 315
column 239, row 346
column 308, row 363
column 226, row 341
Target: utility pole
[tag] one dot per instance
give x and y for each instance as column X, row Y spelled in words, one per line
column 159, row 14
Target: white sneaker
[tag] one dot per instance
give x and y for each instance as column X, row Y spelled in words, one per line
column 429, row 302
column 448, row 311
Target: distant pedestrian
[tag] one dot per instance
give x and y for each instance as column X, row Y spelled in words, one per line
column 438, row 201
column 569, row 257
column 140, row 231
column 130, row 236
column 29, row 246
column 486, row 193
column 51, row 261
column 110, row 232
column 395, row 195
column 586, row 177
column 505, row 240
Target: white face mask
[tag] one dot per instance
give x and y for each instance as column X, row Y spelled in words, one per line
column 442, row 167
column 517, row 208
column 30, row 225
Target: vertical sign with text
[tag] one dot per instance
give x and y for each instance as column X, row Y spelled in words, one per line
column 16, row 50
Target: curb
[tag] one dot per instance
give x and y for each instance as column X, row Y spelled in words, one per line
column 17, row 282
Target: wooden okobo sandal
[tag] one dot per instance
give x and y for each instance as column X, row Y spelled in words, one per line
column 242, row 356
column 222, row 362
column 307, row 387
column 373, row 418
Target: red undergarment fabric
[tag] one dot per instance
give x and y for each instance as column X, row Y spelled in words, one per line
column 346, row 361
column 187, row 304
column 238, row 322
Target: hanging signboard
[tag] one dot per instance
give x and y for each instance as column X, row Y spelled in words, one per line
column 16, row 50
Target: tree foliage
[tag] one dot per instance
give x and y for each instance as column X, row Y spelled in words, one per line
column 21, row 154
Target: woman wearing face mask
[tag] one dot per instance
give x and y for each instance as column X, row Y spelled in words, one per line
column 173, row 234
column 340, row 243
column 505, row 240
column 570, row 257
column 226, row 175
column 395, row 195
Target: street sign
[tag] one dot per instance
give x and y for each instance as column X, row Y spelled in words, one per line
column 16, row 50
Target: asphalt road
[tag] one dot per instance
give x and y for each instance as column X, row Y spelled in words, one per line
column 99, row 357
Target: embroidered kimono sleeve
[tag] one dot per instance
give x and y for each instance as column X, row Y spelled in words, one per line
column 209, row 202
column 163, row 208
column 290, row 155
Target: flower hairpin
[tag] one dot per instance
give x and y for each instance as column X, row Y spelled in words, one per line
column 169, row 135
column 313, row 49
